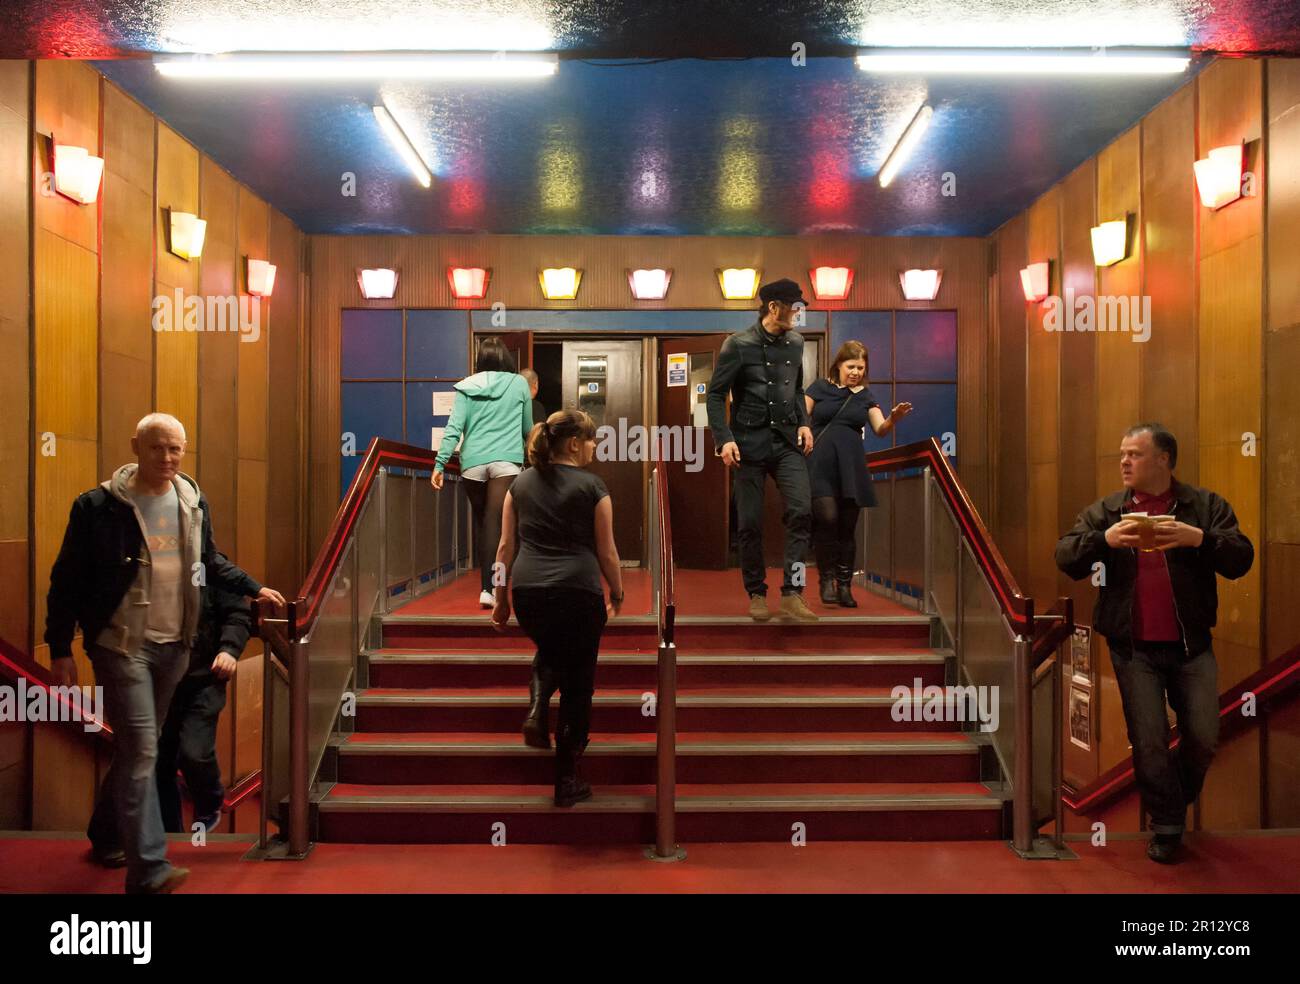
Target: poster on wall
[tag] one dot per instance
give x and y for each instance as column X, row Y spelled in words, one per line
column 677, row 369
column 1081, row 655
column 1081, row 718
column 442, row 403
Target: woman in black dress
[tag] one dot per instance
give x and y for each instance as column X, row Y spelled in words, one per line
column 839, row 407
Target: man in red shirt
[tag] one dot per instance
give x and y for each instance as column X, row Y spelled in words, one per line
column 1156, row 606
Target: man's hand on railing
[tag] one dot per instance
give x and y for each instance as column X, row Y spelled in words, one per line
column 65, row 671
column 501, row 608
column 435, row 480
column 270, row 594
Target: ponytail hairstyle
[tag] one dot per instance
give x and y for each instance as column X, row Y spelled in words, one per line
column 546, row 438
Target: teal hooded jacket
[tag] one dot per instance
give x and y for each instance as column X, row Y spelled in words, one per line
column 493, row 411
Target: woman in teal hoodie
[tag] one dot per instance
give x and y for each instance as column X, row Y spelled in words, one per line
column 493, row 412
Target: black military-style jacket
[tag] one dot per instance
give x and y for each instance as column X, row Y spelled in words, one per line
column 764, row 376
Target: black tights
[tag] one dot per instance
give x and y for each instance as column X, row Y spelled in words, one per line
column 487, row 500
column 835, row 525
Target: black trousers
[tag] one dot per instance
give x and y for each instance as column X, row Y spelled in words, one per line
column 1146, row 672
column 835, row 527
column 787, row 466
column 566, row 625
column 188, row 744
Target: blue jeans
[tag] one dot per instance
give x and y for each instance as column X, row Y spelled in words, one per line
column 1169, row 781
column 138, row 689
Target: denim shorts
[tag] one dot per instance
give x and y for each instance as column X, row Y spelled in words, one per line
column 493, row 469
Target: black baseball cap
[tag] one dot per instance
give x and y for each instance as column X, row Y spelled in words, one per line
column 785, row 290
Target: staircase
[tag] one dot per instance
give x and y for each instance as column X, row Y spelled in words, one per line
column 777, row 725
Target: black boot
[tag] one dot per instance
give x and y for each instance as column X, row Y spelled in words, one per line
column 569, row 785
column 537, row 725
column 844, row 582
column 829, row 597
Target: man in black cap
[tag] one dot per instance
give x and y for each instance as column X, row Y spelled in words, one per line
column 762, row 368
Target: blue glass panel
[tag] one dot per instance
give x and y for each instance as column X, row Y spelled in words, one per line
column 934, row 412
column 368, row 410
column 372, row 344
column 872, row 329
column 437, row 344
column 419, row 412
column 927, row 345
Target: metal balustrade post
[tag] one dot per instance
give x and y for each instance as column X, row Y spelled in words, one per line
column 299, row 789
column 1022, row 806
column 926, row 545
column 382, row 478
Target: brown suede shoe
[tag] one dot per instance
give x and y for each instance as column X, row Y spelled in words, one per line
column 758, row 609
column 173, row 880
column 792, row 606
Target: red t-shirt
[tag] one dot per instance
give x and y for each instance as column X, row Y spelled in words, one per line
column 1154, row 617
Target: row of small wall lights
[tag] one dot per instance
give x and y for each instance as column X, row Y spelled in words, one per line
column 736, row 283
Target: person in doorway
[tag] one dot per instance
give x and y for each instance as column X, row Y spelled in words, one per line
column 564, row 521
column 539, row 411
column 840, row 406
column 761, row 368
column 135, row 555
column 493, row 412
column 1157, row 604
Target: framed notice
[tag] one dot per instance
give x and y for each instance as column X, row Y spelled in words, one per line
column 1081, row 655
column 1081, row 718
column 677, row 369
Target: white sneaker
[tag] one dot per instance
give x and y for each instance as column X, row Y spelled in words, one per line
column 486, row 599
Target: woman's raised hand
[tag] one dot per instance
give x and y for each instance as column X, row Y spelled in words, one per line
column 900, row 411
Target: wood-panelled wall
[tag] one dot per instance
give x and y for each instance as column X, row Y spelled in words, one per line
column 98, row 366
column 515, row 260
column 15, row 424
column 1214, row 280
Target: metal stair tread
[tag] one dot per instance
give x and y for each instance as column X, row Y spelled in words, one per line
column 738, row 695
column 418, row 657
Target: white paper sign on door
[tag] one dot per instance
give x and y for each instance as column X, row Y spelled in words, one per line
column 677, row 369
column 435, row 442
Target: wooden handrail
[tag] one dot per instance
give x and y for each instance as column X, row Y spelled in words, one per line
column 380, row 452
column 1049, row 640
column 1018, row 609
column 1270, row 681
column 17, row 664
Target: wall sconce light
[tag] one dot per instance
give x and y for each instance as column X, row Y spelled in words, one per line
column 738, row 283
column 1110, row 242
column 560, row 283
column 1034, row 281
column 831, row 283
column 377, row 284
column 649, row 285
column 261, row 277
column 468, row 283
column 920, row 285
column 187, row 232
column 77, row 173
column 1218, row 176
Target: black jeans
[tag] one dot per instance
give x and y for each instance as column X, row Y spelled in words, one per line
column 788, row 467
column 1169, row 781
column 189, row 743
column 835, row 525
column 566, row 625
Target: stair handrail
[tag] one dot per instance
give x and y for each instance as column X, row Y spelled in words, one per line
column 1017, row 610
column 664, row 592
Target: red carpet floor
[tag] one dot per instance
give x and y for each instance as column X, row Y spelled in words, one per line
column 698, row 593
column 1216, row 863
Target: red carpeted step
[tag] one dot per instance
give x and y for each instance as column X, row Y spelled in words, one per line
column 797, row 757
column 716, row 708
column 639, row 634
column 404, row 668
column 468, row 813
